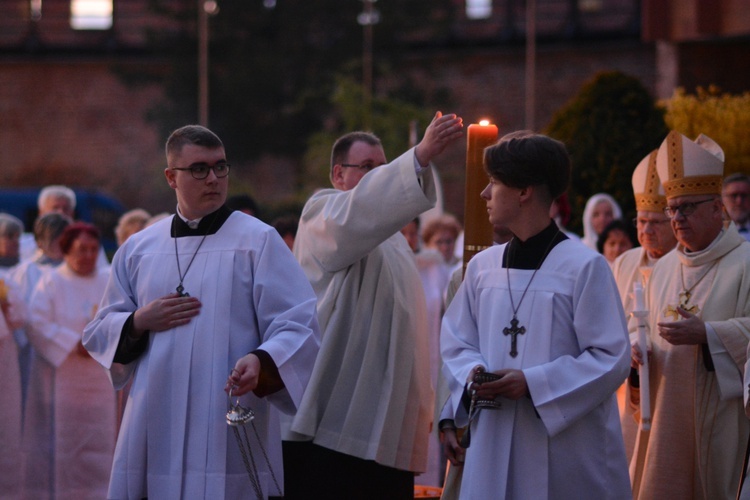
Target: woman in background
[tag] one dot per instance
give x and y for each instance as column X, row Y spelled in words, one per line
column 130, row 223
column 12, row 315
column 48, row 229
column 70, row 418
column 617, row 238
column 435, row 262
column 10, row 234
column 600, row 210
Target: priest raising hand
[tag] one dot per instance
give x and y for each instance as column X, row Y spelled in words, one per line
column 365, row 421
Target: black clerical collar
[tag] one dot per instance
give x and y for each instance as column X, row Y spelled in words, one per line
column 531, row 253
column 209, row 224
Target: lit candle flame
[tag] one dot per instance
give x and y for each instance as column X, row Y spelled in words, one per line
column 484, row 123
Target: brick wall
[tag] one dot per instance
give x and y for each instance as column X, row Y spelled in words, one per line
column 74, row 122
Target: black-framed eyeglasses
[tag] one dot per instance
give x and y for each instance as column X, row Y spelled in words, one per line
column 685, row 209
column 364, row 167
column 653, row 222
column 200, row 172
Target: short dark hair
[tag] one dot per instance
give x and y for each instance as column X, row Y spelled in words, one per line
column 617, row 225
column 73, row 231
column 242, row 202
column 286, row 224
column 10, row 225
column 191, row 134
column 344, row 143
column 49, row 227
column 736, row 177
column 522, row 159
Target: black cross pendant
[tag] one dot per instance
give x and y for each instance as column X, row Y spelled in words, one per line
column 181, row 290
column 514, row 331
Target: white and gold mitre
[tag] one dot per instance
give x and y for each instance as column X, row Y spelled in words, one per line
column 647, row 189
column 686, row 167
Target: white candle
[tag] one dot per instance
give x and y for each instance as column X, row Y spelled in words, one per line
column 640, row 305
column 640, row 313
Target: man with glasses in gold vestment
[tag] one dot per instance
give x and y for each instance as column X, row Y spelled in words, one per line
column 698, row 299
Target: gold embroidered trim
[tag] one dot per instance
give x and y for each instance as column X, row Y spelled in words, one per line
column 650, row 200
column 675, row 167
column 650, row 204
column 699, row 184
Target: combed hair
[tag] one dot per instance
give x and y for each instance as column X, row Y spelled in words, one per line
column 10, row 225
column 191, row 134
column 343, row 144
column 736, row 177
column 131, row 222
column 49, row 227
column 56, row 192
column 522, row 159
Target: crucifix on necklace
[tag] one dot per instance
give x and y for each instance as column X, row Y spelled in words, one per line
column 514, row 331
column 686, row 294
column 180, row 288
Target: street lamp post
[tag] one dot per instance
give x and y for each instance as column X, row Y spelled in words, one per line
column 367, row 18
column 530, row 63
column 202, row 63
column 205, row 8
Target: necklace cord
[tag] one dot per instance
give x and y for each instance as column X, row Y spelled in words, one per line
column 507, row 272
column 682, row 277
column 177, row 255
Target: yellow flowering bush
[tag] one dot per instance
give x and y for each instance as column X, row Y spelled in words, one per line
column 723, row 117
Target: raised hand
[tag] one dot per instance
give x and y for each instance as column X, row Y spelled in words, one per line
column 443, row 130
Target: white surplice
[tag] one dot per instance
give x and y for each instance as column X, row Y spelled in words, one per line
column 174, row 441
column 10, row 390
column 564, row 441
column 26, row 275
column 69, row 422
column 370, row 394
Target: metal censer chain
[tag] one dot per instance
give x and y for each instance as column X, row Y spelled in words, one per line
column 238, row 417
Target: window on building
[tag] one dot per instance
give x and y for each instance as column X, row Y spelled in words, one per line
column 35, row 7
column 478, row 9
column 91, row 14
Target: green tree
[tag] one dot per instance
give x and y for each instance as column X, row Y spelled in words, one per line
column 608, row 127
column 391, row 122
column 272, row 70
